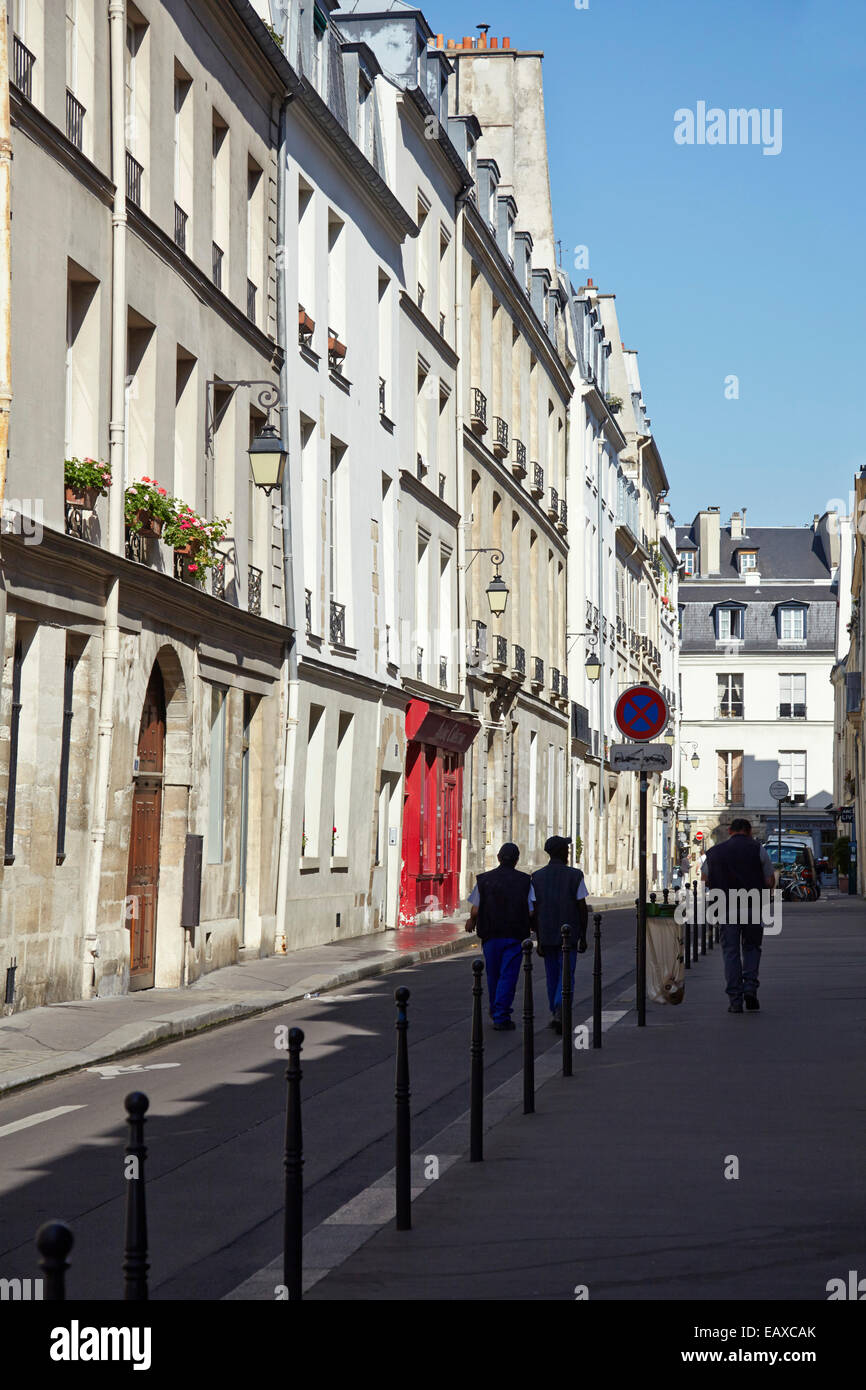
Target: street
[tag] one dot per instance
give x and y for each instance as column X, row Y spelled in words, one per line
column 215, row 1127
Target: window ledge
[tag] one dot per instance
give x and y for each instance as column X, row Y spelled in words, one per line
column 349, row 652
column 341, row 381
column 309, row 356
column 308, row 863
column 339, row 863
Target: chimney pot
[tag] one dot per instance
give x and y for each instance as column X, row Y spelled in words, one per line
column 467, row 41
column 589, row 284
column 451, row 43
column 506, row 43
column 482, row 40
column 440, row 41
column 494, row 43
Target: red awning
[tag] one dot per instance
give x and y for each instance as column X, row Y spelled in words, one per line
column 441, row 727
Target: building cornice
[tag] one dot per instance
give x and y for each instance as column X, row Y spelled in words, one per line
column 421, row 321
column 531, row 509
column 413, row 97
column 409, row 483
column 32, row 122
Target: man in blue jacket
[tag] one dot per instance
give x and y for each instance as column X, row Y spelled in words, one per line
column 561, row 900
column 502, row 902
column 736, row 864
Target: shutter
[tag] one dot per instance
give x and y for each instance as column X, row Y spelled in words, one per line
column 737, row 777
column 721, row 776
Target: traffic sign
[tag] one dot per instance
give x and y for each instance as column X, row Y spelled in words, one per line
column 846, row 815
column 641, row 712
column 639, row 757
column 779, row 790
column 699, row 835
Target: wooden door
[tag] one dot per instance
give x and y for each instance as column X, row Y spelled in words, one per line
column 142, row 882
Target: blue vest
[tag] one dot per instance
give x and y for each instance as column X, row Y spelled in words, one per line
column 556, row 904
column 503, row 909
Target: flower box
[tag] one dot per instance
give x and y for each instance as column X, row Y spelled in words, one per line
column 146, row 524
column 84, row 480
column 84, row 497
column 306, row 324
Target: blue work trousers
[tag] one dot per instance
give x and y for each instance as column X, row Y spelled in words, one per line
column 502, row 960
column 553, row 971
column 741, row 948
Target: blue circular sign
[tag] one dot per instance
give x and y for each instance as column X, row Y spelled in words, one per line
column 641, row 712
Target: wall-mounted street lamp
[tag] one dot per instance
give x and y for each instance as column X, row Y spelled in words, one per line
column 592, row 665
column 268, row 452
column 694, row 759
column 497, row 589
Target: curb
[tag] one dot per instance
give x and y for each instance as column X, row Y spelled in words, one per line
column 197, row 1019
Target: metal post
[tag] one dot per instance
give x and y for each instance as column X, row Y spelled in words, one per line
column 641, row 909
column 293, row 1163
column 687, row 930
column 403, row 1168
column 528, row 1033
column 665, row 892
column 135, row 1264
column 704, row 933
column 596, row 982
column 695, row 923
column 476, row 1073
column 54, row 1241
column 567, row 1039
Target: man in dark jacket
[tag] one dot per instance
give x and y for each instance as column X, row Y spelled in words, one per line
column 502, row 902
column 560, row 901
column 740, row 863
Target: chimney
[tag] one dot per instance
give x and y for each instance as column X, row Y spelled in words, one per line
column 494, row 43
column 736, row 525
column 815, row 519
column 440, row 40
column 707, row 525
column 506, row 43
column 590, row 284
column 467, row 41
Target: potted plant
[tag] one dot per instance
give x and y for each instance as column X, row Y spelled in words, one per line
column 614, row 404
column 840, row 858
column 193, row 536
column 147, row 507
column 85, row 480
column 336, row 350
column 306, row 325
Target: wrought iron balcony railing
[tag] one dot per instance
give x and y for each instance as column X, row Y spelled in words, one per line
column 520, row 660
column 419, row 663
column 538, row 480
column 537, row 671
column 22, row 67
column 500, row 650
column 564, row 687
column 254, row 590
column 479, row 407
column 443, row 672
column 382, row 388
column 308, row 611
column 563, row 514
column 553, row 505
column 792, row 711
column 134, row 172
column 520, row 453
column 75, row 114
column 218, row 580
column 252, row 291
column 500, row 436
column 217, row 266
column 337, row 624
column 554, row 680
column 180, row 221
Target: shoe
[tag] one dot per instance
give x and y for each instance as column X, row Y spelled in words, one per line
column 555, row 1022
column 507, row 1027
column 751, row 1002
column 735, row 1008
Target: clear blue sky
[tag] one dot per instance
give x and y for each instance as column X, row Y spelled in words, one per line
column 723, row 260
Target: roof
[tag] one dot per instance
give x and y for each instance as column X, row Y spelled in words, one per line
column 787, row 552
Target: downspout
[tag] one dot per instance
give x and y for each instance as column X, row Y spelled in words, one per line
column 290, row 651
column 116, row 436
column 602, row 710
column 5, row 281
column 462, row 586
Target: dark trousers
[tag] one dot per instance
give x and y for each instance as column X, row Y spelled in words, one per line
column 553, row 971
column 741, row 948
column 502, row 959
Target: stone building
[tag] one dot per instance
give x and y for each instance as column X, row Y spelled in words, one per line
column 849, row 751
column 140, row 706
column 758, row 608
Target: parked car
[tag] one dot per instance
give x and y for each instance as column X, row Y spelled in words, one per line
column 796, row 870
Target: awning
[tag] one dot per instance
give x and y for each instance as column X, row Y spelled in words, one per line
column 426, row 723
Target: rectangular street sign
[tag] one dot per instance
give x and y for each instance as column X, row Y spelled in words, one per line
column 633, row 757
column 847, row 815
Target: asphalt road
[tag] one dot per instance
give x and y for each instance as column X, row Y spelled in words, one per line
column 216, row 1120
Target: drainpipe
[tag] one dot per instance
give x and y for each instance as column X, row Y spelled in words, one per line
column 602, row 711
column 290, row 652
column 5, row 279
column 116, row 435
column 460, row 410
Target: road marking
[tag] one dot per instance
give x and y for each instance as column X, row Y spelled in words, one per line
column 38, row 1119
column 107, row 1073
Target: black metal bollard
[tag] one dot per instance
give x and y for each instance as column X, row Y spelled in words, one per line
column 135, row 1265
column 476, row 1072
column 293, row 1163
column 528, row 1032
column 653, row 897
column 687, row 928
column 403, row 1168
column 665, row 892
column 695, row 922
column 710, row 935
column 596, row 982
column 54, row 1241
column 567, row 1038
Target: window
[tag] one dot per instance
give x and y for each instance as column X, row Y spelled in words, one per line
column 748, row 561
column 71, row 44
column 65, row 749
column 423, row 209
column 307, row 259
column 14, row 724
column 216, row 775
column 342, row 787
column 320, row 29
column 730, row 777
column 687, row 560
column 313, row 783
column 82, row 364
column 336, row 276
column 792, row 695
column 729, row 624
column 183, row 157
column 792, row 769
column 255, row 238
column 792, row 624
column 422, row 601
column 730, row 692
column 533, row 786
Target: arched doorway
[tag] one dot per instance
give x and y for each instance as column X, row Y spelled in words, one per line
column 142, row 880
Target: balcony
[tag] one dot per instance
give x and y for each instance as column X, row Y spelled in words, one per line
column 134, row 172
column 537, row 673
column 306, row 327
column 75, row 114
column 421, row 469
column 478, row 411
column 180, row 221
column 562, row 523
column 537, row 486
column 336, row 351
column 595, row 617
column 588, row 618
column 442, row 484
column 731, row 709
column 564, row 687
column 252, row 291
column 442, row 325
column 308, row 611
column 419, row 663
column 383, row 385
column 554, row 680
column 337, row 624
column 519, row 666
column 217, row 266
column 443, row 673
column 789, row 711
column 500, row 653
column 254, row 590
column 604, row 632
column 518, row 463
column 553, row 505
column 500, row 437
column 22, row 67
column 421, row 294
column 580, row 723
column 478, row 650
column 218, row 580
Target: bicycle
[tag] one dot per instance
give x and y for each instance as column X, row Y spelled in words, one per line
column 797, row 888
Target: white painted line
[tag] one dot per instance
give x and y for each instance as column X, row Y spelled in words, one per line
column 38, row 1119
column 108, row 1072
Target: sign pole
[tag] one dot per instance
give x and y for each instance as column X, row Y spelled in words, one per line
column 641, row 906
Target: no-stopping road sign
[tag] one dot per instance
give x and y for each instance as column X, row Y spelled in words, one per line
column 641, row 712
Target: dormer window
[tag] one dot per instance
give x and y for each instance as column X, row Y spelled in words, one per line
column 687, row 560
column 748, row 561
column 730, row 622
column 791, row 622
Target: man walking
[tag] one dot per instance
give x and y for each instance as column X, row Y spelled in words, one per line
column 502, row 902
column 740, row 863
column 560, row 900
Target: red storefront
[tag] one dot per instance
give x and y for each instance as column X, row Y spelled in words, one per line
column 437, row 740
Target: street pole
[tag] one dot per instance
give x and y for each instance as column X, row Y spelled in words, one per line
column 779, row 806
column 641, row 905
